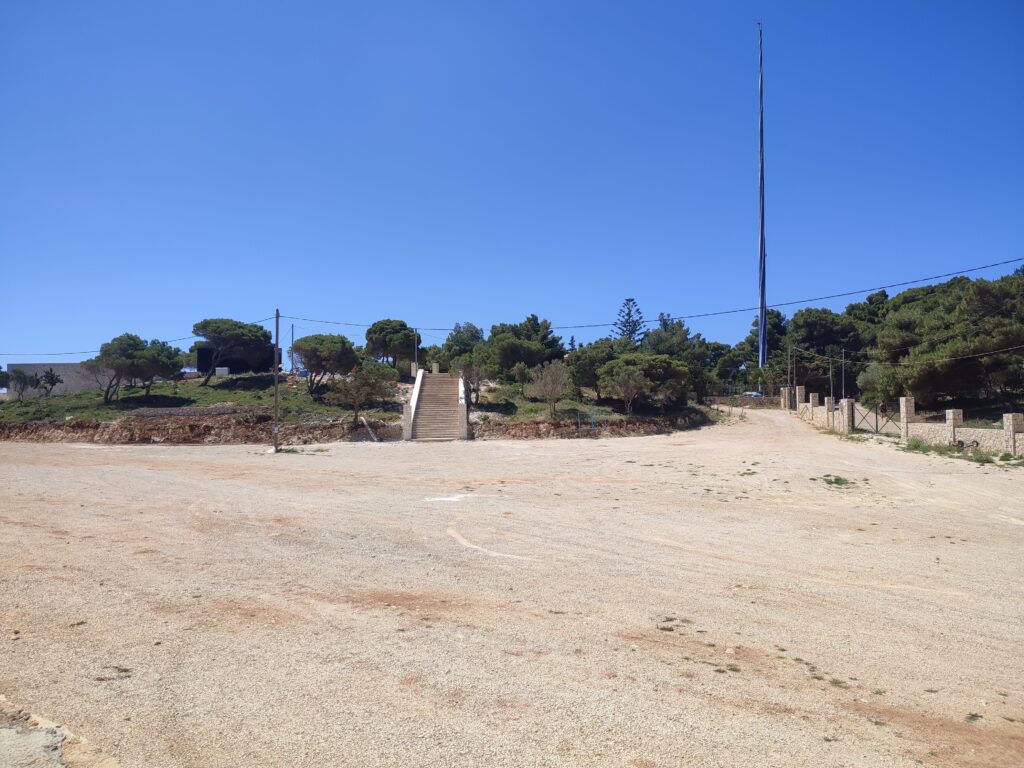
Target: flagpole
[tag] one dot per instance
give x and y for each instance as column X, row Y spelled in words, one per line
column 762, row 317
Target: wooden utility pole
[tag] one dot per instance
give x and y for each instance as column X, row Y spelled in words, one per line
column 277, row 366
column 843, row 373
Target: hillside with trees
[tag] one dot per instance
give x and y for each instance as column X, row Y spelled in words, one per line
column 953, row 343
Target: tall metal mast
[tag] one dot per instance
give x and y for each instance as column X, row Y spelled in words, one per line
column 762, row 317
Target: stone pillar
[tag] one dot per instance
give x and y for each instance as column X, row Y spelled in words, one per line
column 435, row 368
column 830, row 412
column 1013, row 425
column 800, row 396
column 413, row 369
column 815, row 399
column 848, row 414
column 954, row 419
column 784, row 399
column 407, row 421
column 906, row 417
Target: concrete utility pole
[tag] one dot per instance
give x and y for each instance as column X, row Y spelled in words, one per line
column 277, row 366
column 291, row 350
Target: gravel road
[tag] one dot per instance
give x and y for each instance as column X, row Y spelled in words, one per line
column 699, row 599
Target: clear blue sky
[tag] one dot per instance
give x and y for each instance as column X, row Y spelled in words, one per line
column 451, row 161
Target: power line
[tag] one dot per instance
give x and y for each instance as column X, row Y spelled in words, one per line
column 96, row 351
column 915, row 362
column 724, row 311
column 600, row 325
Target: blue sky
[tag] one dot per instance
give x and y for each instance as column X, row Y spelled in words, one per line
column 477, row 161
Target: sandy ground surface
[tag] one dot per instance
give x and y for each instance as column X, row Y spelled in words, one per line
column 699, row 599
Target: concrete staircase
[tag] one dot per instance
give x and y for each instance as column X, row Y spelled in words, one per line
column 437, row 408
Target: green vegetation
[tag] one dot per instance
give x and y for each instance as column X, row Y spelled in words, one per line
column 836, row 481
column 887, row 343
column 244, row 390
column 324, row 355
column 523, row 371
column 389, row 340
column 370, row 382
column 21, row 381
column 916, row 445
column 232, row 339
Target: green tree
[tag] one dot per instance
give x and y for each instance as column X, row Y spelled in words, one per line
column 532, row 329
column 521, row 374
column 658, row 375
column 585, row 362
column 116, row 362
column 5, row 379
column 226, row 337
column 387, row 339
column 158, row 360
column 630, row 324
column 670, row 337
column 476, row 367
column 511, row 350
column 371, row 382
column 461, row 340
column 22, row 381
column 324, row 355
column 49, row 379
column 625, row 382
column 551, row 382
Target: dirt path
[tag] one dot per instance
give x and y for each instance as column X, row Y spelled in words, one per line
column 702, row 598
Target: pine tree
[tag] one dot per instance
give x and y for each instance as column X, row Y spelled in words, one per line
column 572, row 343
column 630, row 324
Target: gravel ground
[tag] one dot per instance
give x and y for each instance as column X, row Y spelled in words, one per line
column 698, row 599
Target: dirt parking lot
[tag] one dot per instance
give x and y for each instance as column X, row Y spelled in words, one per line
column 706, row 598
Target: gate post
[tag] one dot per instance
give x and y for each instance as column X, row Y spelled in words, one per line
column 954, row 419
column 848, row 414
column 784, row 398
column 801, row 397
column 906, row 417
column 1013, row 424
column 830, row 412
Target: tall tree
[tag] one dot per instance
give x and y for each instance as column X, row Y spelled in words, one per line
column 227, row 337
column 551, row 382
column 630, row 324
column 22, row 381
column 476, row 367
column 532, row 329
column 370, row 382
column 158, row 360
column 116, row 363
column 387, row 339
column 48, row 380
column 585, row 362
column 461, row 340
column 323, row 355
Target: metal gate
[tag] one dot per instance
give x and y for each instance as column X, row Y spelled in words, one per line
column 881, row 419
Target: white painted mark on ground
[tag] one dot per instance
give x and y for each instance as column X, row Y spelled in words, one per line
column 459, row 538
column 456, row 497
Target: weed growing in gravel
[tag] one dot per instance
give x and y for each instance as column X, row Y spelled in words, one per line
column 973, row 717
column 836, row 481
